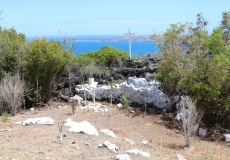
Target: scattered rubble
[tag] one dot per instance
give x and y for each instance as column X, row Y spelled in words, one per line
column 98, row 107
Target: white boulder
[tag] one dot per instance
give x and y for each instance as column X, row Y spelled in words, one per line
column 142, row 92
column 119, row 105
column 227, row 137
column 76, row 98
column 202, row 132
column 110, row 146
column 84, row 127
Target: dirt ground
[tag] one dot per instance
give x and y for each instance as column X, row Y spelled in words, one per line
column 41, row 142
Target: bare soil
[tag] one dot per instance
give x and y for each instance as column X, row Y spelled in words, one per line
column 41, row 142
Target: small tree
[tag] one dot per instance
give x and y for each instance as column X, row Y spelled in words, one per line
column 44, row 62
column 190, row 119
column 196, row 64
column 12, row 92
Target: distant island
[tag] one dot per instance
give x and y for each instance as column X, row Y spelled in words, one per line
column 99, row 38
column 143, row 38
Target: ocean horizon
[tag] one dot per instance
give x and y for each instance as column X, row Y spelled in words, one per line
column 137, row 48
column 85, row 44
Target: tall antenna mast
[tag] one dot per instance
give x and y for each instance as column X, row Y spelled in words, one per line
column 130, row 34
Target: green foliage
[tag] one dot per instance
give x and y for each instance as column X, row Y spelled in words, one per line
column 225, row 26
column 95, row 63
column 5, row 117
column 12, row 51
column 125, row 101
column 103, row 57
column 44, row 62
column 196, row 64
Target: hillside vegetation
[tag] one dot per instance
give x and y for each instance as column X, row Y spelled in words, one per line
column 193, row 63
column 197, row 64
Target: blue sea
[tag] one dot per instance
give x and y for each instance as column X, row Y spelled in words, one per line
column 137, row 48
column 84, row 44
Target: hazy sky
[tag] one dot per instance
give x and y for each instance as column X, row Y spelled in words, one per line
column 105, row 17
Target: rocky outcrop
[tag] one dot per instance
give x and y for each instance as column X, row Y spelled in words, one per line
column 140, row 91
column 140, row 69
column 137, row 90
column 118, row 72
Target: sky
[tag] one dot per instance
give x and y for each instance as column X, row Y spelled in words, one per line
column 105, row 17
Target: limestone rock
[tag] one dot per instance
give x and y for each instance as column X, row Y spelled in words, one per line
column 110, row 146
column 84, row 127
column 43, row 120
column 137, row 89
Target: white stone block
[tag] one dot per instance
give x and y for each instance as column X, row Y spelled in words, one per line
column 110, row 146
column 227, row 137
column 202, row 132
column 84, row 127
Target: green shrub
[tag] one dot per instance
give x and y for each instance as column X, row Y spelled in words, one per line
column 103, row 57
column 44, row 62
column 12, row 51
column 125, row 101
column 196, row 64
column 5, row 117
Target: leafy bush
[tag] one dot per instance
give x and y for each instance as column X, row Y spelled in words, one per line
column 196, row 64
column 12, row 51
column 86, row 67
column 44, row 62
column 104, row 56
column 96, row 63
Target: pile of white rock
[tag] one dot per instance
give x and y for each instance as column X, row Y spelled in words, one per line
column 138, row 90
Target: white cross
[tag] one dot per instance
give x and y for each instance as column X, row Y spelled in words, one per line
column 129, row 34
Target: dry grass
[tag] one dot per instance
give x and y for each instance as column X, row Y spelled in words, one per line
column 190, row 119
column 11, row 92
